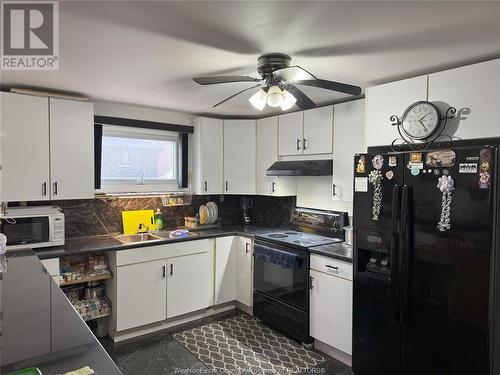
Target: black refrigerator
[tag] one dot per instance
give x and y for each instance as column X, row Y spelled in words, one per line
column 425, row 262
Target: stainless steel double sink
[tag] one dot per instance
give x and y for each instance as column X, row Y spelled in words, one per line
column 146, row 237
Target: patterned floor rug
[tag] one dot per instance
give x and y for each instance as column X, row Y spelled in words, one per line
column 243, row 345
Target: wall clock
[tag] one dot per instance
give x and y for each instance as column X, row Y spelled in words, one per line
column 420, row 120
column 421, row 125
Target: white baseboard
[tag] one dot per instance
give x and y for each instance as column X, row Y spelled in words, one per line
column 169, row 323
column 333, row 352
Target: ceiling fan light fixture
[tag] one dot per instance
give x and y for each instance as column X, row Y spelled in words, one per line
column 258, row 100
column 274, row 97
column 288, row 101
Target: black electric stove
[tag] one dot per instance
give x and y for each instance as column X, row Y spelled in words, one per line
column 281, row 269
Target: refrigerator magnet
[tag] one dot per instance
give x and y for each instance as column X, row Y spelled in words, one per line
column 415, row 171
column 415, row 157
column 378, row 162
column 393, row 161
column 485, row 155
column 360, row 167
column 484, row 167
column 389, row 175
column 361, row 184
column 484, row 180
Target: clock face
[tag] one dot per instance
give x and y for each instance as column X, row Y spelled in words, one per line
column 420, row 120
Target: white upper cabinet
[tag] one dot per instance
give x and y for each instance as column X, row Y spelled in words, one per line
column 306, row 132
column 34, row 148
column 474, row 91
column 386, row 100
column 208, row 161
column 239, row 156
column 24, row 147
column 291, row 133
column 318, row 131
column 349, row 125
column 267, row 154
column 71, row 149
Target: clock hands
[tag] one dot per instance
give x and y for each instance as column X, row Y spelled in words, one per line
column 421, row 123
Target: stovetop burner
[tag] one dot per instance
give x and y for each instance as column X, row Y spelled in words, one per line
column 277, row 235
column 300, row 238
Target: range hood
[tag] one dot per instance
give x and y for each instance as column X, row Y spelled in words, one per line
column 301, row 168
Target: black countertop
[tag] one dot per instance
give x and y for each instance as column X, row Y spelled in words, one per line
column 103, row 243
column 336, row 250
column 39, row 327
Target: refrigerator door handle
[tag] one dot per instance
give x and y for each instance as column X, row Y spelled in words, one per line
column 394, row 254
column 404, row 260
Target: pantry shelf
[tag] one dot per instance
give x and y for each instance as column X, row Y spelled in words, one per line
column 87, row 279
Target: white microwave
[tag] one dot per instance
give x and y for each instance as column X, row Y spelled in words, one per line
column 32, row 227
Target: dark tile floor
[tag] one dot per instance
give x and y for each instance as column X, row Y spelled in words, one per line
column 159, row 353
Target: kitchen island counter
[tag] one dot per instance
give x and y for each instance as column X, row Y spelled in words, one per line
column 39, row 326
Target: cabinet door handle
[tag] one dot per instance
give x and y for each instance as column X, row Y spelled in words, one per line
column 227, row 186
column 247, row 248
column 163, row 272
column 334, row 190
column 44, row 189
column 55, row 188
column 172, row 269
column 311, row 279
column 298, row 144
column 273, row 187
column 304, row 144
column 332, row 267
column 206, row 185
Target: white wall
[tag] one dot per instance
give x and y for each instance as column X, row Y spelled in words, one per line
column 348, row 139
column 141, row 113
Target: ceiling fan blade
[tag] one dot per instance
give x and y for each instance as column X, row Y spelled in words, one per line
column 212, row 80
column 293, row 73
column 232, row 96
column 303, row 101
column 332, row 85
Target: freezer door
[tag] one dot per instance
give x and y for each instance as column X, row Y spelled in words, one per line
column 445, row 280
column 392, row 174
column 376, row 326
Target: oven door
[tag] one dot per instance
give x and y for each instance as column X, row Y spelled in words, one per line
column 27, row 231
column 282, row 273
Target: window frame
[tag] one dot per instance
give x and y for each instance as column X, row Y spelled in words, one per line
column 145, row 185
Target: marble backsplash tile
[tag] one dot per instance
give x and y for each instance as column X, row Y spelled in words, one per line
column 103, row 215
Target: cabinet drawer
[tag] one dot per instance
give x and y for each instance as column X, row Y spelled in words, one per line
column 331, row 266
column 161, row 251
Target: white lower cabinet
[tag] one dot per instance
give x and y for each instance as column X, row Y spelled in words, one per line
column 141, row 294
column 225, row 270
column 233, row 270
column 331, row 306
column 188, row 284
column 244, row 266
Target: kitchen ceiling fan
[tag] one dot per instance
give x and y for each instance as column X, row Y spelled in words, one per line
column 278, row 85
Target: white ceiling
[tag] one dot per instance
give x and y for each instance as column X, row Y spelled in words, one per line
column 146, row 53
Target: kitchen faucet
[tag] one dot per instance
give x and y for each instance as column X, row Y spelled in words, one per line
column 142, row 228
